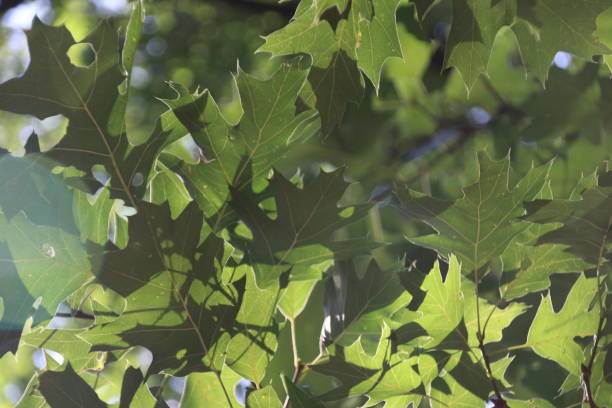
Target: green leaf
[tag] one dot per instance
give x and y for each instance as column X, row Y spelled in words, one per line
column 442, row 308
column 68, row 343
column 372, row 300
column 398, row 379
column 552, row 334
column 28, row 185
column 532, row 403
column 34, row 400
column 586, row 222
column 205, row 389
column 242, row 155
column 378, row 39
column 263, row 398
column 480, row 225
column 40, row 251
column 65, row 389
column 298, row 397
column 134, row 392
column 475, row 25
column 92, row 98
column 374, row 376
column 250, row 351
column 125, row 270
column 294, row 297
column 133, row 34
column 300, row 233
column 364, row 37
column 547, row 26
column 466, row 383
column 494, row 319
column 566, row 105
column 37, row 261
column 528, row 268
column 100, row 218
column 165, row 185
column 446, row 334
column 177, row 305
column 334, row 80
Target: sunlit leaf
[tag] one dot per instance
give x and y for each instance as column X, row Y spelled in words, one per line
column 552, row 334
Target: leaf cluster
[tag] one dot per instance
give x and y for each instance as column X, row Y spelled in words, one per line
column 129, row 267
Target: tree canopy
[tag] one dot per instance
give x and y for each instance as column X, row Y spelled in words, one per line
column 306, row 204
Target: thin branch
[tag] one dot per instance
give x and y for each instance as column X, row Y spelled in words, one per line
column 296, row 357
column 297, row 363
column 499, row 401
column 588, row 369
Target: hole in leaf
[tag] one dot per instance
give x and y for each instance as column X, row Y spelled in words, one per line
column 39, row 359
column 48, row 250
column 59, row 358
column 50, row 131
column 81, row 55
column 240, row 390
column 138, row 179
column 562, row 60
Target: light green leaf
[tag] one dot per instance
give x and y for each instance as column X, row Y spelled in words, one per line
column 493, row 319
column 205, row 389
column 552, row 334
column 165, row 185
column 263, row 398
column 378, row 39
column 442, row 309
column 532, row 403
column 334, row 80
column 100, row 218
column 37, row 261
column 294, row 297
column 364, row 37
column 399, row 379
column 250, row 351
column 68, row 343
column 372, row 375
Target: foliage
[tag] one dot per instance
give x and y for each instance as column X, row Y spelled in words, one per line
column 342, row 233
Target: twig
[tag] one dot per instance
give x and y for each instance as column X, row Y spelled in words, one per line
column 499, row 401
column 297, row 363
column 588, row 369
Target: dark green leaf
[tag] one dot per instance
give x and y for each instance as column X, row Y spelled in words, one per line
column 65, row 389
column 481, row 224
column 300, row 233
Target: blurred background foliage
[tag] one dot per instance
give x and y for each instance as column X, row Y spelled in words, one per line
column 422, row 130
